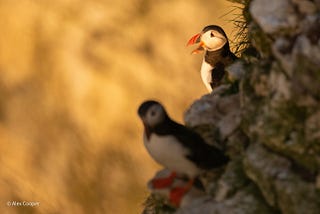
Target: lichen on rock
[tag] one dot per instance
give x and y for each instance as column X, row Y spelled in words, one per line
column 277, row 180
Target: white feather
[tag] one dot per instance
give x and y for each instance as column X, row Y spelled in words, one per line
column 167, row 151
column 205, row 72
column 213, row 43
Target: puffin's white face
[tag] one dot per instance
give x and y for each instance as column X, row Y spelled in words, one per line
column 154, row 115
column 213, row 40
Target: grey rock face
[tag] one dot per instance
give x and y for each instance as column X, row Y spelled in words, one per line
column 236, row 71
column 283, row 158
column 279, row 183
column 286, row 85
column 221, row 112
column 273, row 15
column 245, row 201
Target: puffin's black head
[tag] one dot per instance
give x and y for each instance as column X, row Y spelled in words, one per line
column 211, row 38
column 152, row 113
column 214, row 28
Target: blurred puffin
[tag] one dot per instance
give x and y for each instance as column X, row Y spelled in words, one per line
column 176, row 147
column 217, row 55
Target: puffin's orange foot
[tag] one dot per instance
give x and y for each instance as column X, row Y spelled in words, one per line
column 160, row 183
column 177, row 193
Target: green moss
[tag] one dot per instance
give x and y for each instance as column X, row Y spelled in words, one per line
column 234, row 176
column 157, row 205
column 260, row 40
column 261, row 205
column 284, row 132
column 289, row 117
column 307, row 76
column 252, row 104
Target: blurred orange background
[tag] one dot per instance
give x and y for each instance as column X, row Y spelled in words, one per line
column 72, row 74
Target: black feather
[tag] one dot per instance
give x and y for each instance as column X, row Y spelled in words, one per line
column 202, row 154
column 145, row 106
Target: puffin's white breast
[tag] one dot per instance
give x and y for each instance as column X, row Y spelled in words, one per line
column 167, row 151
column 206, row 76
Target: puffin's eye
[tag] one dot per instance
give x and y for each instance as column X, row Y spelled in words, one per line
column 153, row 113
column 211, row 34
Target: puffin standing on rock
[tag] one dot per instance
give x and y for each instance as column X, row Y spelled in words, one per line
column 177, row 148
column 217, row 55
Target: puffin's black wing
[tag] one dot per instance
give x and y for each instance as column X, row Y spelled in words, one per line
column 217, row 75
column 201, row 153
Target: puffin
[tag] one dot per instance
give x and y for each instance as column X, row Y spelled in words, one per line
column 214, row 41
column 176, row 147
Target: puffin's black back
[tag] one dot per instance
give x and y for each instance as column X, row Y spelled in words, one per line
column 201, row 153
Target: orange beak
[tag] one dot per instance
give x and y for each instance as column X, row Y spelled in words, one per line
column 196, row 39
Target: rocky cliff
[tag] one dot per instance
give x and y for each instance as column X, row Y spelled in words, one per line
column 271, row 127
